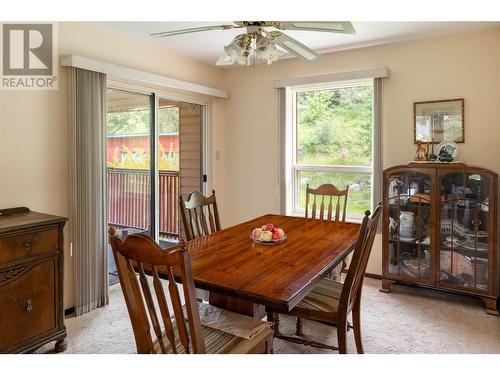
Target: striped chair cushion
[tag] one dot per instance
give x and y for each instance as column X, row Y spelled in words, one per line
column 324, row 297
column 218, row 342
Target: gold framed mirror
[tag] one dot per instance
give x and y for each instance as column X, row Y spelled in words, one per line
column 438, row 121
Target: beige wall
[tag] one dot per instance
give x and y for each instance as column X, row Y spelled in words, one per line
column 461, row 65
column 34, row 124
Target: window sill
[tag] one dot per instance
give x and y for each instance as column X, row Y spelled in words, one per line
column 353, row 220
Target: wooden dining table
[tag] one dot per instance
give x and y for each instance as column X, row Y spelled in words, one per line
column 228, row 263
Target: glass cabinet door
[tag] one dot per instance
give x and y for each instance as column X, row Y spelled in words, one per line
column 463, row 241
column 409, row 213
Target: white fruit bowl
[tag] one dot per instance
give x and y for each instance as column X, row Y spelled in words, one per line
column 268, row 234
column 272, row 242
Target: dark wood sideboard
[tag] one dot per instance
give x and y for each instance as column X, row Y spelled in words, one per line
column 31, row 280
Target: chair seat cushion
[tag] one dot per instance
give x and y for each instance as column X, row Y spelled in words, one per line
column 324, row 297
column 218, row 342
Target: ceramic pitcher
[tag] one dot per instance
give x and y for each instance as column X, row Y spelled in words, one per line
column 407, row 224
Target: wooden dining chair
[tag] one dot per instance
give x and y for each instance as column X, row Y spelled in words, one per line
column 326, row 197
column 194, row 213
column 160, row 331
column 199, row 213
column 334, row 201
column 331, row 301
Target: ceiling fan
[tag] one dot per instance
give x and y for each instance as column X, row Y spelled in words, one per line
column 261, row 43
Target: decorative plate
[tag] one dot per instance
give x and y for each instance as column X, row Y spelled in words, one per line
column 269, row 243
column 450, row 147
column 471, row 236
column 478, row 246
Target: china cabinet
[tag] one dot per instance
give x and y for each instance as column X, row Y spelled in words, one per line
column 440, row 225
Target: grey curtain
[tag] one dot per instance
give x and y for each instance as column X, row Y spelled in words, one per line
column 377, row 143
column 283, row 150
column 88, row 189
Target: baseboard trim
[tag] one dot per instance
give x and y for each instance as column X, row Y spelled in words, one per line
column 69, row 311
column 367, row 274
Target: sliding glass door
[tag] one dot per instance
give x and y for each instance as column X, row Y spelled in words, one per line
column 179, row 160
column 154, row 153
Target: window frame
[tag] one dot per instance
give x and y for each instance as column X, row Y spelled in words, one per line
column 295, row 168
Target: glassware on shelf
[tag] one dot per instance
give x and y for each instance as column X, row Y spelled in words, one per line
column 463, row 230
column 409, row 218
column 467, row 271
column 407, row 225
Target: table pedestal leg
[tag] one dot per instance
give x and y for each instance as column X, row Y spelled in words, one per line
column 274, row 318
column 238, row 305
column 298, row 326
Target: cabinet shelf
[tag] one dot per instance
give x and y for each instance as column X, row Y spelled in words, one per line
column 472, row 209
column 408, row 242
column 470, row 253
column 416, row 205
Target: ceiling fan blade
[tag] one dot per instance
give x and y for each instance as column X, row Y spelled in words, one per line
column 195, row 30
column 294, row 46
column 344, row 27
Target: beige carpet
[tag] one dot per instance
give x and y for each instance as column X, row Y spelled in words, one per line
column 408, row 320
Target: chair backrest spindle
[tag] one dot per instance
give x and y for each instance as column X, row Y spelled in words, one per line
column 330, row 192
column 200, row 215
column 164, row 310
column 329, row 217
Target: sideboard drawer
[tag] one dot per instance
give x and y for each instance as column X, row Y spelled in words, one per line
column 28, row 244
column 27, row 302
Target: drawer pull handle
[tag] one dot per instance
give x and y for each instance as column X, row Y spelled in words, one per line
column 28, row 244
column 28, row 305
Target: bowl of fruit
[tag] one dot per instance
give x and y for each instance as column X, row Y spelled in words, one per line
column 268, row 235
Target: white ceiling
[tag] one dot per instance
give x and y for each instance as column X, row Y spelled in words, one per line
column 208, row 45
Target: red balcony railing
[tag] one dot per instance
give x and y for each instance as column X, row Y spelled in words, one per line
column 169, row 203
column 129, row 196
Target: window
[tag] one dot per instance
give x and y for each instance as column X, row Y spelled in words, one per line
column 332, row 142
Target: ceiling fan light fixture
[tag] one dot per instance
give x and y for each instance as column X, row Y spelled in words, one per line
column 245, row 46
column 240, row 49
column 272, row 54
column 266, row 50
column 233, row 49
column 225, row 59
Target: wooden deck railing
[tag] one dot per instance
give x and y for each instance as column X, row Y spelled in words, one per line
column 129, row 194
